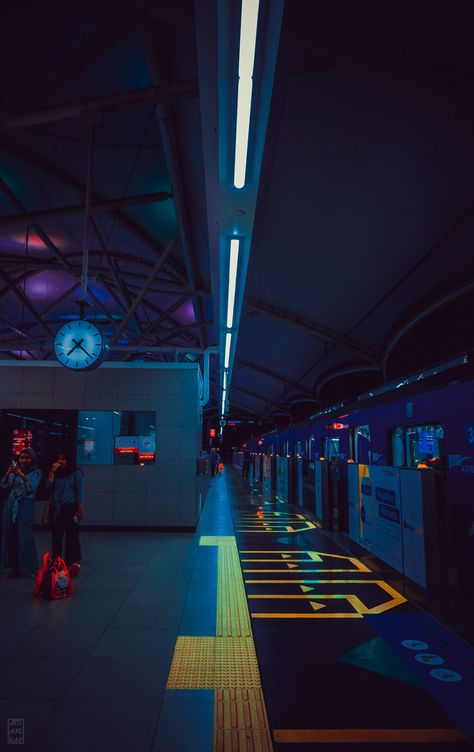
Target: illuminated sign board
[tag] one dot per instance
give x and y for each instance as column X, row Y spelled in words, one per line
column 22, row 439
column 142, row 446
column 336, row 426
column 212, row 433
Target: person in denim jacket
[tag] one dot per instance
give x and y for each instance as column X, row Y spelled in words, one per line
column 19, row 548
column 66, row 485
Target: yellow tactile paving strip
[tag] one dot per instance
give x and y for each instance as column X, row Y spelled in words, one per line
column 227, row 662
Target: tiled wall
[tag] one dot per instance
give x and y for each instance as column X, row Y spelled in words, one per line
column 164, row 493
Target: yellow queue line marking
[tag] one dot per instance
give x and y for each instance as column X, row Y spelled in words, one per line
column 299, row 570
column 377, row 736
column 289, row 615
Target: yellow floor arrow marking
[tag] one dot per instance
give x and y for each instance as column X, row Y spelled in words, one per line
column 291, row 566
column 306, row 589
column 359, row 607
column 316, row 606
column 286, row 556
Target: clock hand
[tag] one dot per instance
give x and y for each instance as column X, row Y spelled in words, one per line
column 84, row 350
column 76, row 345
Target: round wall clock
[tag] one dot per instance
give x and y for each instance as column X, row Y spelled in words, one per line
column 80, row 345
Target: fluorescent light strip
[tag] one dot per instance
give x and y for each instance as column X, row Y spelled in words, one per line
column 228, row 340
column 248, row 36
column 223, row 402
column 224, row 381
column 233, row 263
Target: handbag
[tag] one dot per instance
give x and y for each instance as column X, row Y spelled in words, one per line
column 53, row 580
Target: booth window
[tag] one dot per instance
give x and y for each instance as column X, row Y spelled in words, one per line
column 116, row 437
column 331, row 447
column 310, row 443
column 413, row 444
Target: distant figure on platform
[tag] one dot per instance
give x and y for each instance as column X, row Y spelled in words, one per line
column 215, row 459
column 19, row 547
column 66, row 484
column 246, row 464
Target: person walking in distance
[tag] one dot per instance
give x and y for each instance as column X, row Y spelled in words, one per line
column 19, row 547
column 246, row 464
column 66, row 484
column 215, row 459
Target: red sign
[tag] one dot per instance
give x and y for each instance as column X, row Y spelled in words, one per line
column 212, row 433
column 22, row 439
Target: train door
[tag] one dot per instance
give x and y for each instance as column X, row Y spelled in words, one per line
column 295, row 474
column 337, row 486
column 308, row 479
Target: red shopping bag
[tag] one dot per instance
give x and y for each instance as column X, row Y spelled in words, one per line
column 53, row 580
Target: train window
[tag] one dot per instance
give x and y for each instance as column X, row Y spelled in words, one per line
column 310, row 447
column 360, row 444
column 413, row 444
column 285, row 448
column 331, row 447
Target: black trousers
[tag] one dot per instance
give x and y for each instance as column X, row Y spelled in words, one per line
column 65, row 525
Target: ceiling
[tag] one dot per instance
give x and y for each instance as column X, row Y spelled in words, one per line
column 358, row 214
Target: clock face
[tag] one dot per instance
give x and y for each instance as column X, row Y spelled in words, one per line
column 80, row 345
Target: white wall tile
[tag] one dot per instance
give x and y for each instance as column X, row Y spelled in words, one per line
column 187, row 509
column 11, row 379
column 66, row 381
column 187, row 476
column 188, row 444
column 98, row 479
column 9, row 399
column 129, row 509
column 189, row 381
column 98, row 508
column 162, row 509
column 133, row 381
column 167, row 445
column 101, row 381
column 188, row 410
column 37, row 400
column 164, row 381
column 38, row 380
column 129, row 479
column 163, row 476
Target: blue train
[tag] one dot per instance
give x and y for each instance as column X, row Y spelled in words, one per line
column 394, row 471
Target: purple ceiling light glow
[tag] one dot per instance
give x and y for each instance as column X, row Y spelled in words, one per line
column 48, row 285
column 17, row 242
column 185, row 314
column 22, row 354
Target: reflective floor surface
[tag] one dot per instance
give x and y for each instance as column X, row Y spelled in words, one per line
column 255, row 633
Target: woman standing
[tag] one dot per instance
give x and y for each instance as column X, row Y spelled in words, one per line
column 66, row 483
column 19, row 547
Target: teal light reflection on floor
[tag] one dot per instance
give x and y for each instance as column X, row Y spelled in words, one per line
column 199, row 614
column 186, row 721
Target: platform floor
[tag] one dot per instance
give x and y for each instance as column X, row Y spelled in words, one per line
column 256, row 633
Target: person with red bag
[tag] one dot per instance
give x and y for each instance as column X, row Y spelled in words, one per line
column 66, row 485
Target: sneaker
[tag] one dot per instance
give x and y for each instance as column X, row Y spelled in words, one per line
column 74, row 569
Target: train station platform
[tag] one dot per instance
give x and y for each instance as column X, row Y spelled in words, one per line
column 256, row 633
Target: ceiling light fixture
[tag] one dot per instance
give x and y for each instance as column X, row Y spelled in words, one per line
column 233, row 263
column 228, row 340
column 248, row 37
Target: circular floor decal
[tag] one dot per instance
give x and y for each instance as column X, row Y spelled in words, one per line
column 445, row 674
column 429, row 658
column 415, row 645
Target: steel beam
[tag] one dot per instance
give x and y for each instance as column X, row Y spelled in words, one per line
column 259, row 397
column 274, row 375
column 150, row 241
column 7, row 191
column 320, row 331
column 62, row 212
column 156, row 269
column 24, row 300
column 99, row 105
column 80, row 58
